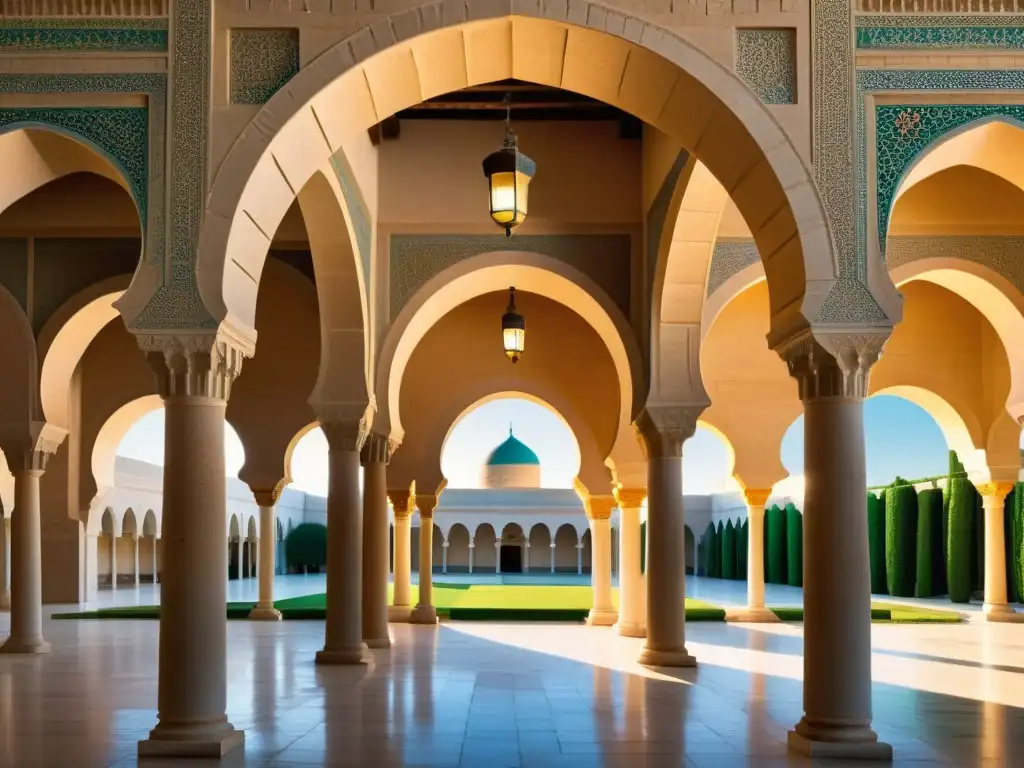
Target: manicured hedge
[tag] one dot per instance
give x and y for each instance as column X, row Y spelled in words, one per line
column 712, row 551
column 900, row 535
column 958, row 551
column 742, row 535
column 794, row 546
column 306, row 546
column 776, row 530
column 729, row 551
column 876, row 544
column 978, row 545
column 929, row 541
column 1008, row 504
column 1016, row 561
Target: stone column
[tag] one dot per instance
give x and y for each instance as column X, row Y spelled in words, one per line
column 26, row 459
column 343, row 641
column 444, row 557
column 472, row 548
column 755, row 610
column 993, row 496
column 497, row 556
column 526, row 557
column 155, row 579
column 401, row 603
column 113, row 560
column 375, row 455
column 579, row 558
column 663, row 430
column 599, row 512
column 266, row 499
column 5, row 564
column 424, row 612
column 833, row 383
column 552, row 548
column 632, row 621
column 194, row 379
column 135, row 558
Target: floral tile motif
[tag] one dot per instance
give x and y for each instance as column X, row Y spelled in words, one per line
column 940, row 37
column 766, row 62
column 262, row 60
column 22, row 36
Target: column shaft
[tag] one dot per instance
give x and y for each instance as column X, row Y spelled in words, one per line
column 5, row 564
column 375, row 543
column 755, row 610
column 444, row 557
column 996, row 607
column 26, row 567
column 264, row 608
column 472, row 549
column 424, row 612
column 632, row 622
column 579, row 559
column 135, row 560
column 343, row 642
column 113, row 560
column 401, row 603
column 155, row 579
column 192, row 673
column 599, row 508
column 497, row 556
column 552, row 548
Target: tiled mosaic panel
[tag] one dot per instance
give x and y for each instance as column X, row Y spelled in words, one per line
column 262, row 60
column 940, row 37
column 903, row 133
column 120, row 133
column 766, row 62
column 729, row 258
column 17, row 37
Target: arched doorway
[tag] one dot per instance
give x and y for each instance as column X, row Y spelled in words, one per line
column 512, row 554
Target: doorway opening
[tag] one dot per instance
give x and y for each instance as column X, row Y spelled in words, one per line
column 511, row 558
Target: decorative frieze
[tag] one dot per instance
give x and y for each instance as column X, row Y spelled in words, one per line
column 939, row 33
column 766, row 62
column 262, row 60
column 105, row 9
column 966, row 7
column 122, row 35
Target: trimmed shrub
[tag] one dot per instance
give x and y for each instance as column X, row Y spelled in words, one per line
column 929, row 540
column 958, row 551
column 900, row 538
column 1017, row 560
column 719, row 536
column 876, row 544
column 977, row 545
column 701, row 555
column 764, row 543
column 776, row 565
column 711, row 548
column 306, row 547
column 729, row 551
column 1008, row 504
column 794, row 546
column 741, row 549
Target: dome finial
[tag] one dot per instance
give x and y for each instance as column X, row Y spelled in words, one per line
column 510, row 429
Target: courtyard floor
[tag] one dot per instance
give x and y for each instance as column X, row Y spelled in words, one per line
column 494, row 695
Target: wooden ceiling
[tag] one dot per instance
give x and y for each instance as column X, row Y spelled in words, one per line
column 529, row 102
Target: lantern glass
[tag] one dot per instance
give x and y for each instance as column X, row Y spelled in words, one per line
column 509, row 198
column 515, row 342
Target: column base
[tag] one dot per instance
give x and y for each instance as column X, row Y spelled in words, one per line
column 377, row 643
column 630, row 628
column 37, row 647
column 867, row 747
column 423, row 614
column 183, row 741
column 652, row 658
column 748, row 615
column 262, row 613
column 598, row 618
column 1001, row 612
column 357, row 655
column 399, row 613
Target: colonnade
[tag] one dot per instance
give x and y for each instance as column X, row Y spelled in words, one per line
column 114, row 563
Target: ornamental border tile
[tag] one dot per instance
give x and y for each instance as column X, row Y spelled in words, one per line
column 154, row 87
column 870, row 81
column 1003, row 254
column 766, row 62
column 875, row 21
column 17, row 39
column 261, row 62
column 937, row 37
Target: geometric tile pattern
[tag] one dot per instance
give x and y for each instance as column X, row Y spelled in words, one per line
column 766, row 62
column 262, row 60
column 891, row 32
column 80, row 35
column 729, row 258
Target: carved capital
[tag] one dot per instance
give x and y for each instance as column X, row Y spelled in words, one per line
column 599, row 507
column 757, row 497
column 630, row 498
column 196, row 364
column 346, row 425
column 268, row 496
column 828, row 364
column 663, row 429
column 998, row 491
column 402, row 501
column 29, row 448
column 376, row 449
column 425, row 503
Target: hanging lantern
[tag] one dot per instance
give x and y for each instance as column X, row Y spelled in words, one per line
column 508, row 173
column 513, row 329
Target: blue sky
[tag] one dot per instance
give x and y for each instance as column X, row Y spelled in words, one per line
column 901, row 439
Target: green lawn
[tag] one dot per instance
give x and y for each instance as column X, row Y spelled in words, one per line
column 455, row 601
column 890, row 613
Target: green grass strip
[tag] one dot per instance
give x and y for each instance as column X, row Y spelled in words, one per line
column 890, row 613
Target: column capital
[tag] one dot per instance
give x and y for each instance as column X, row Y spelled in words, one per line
column 402, row 501
column 425, row 503
column 377, row 449
column 195, row 364
column 827, row 364
column 346, row 428
column 268, row 497
column 630, row 498
column 664, row 428
column 995, row 490
column 599, row 507
column 28, row 449
column 756, row 497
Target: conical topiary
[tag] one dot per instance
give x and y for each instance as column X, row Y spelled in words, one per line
column 744, row 553
column 929, row 540
column 777, row 571
column 978, row 545
column 900, row 538
column 711, row 537
column 958, row 551
column 729, row 551
column 876, row 544
column 794, row 546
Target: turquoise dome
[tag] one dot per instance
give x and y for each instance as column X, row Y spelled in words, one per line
column 512, row 451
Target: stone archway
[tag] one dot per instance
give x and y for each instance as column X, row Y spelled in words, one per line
column 640, row 68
